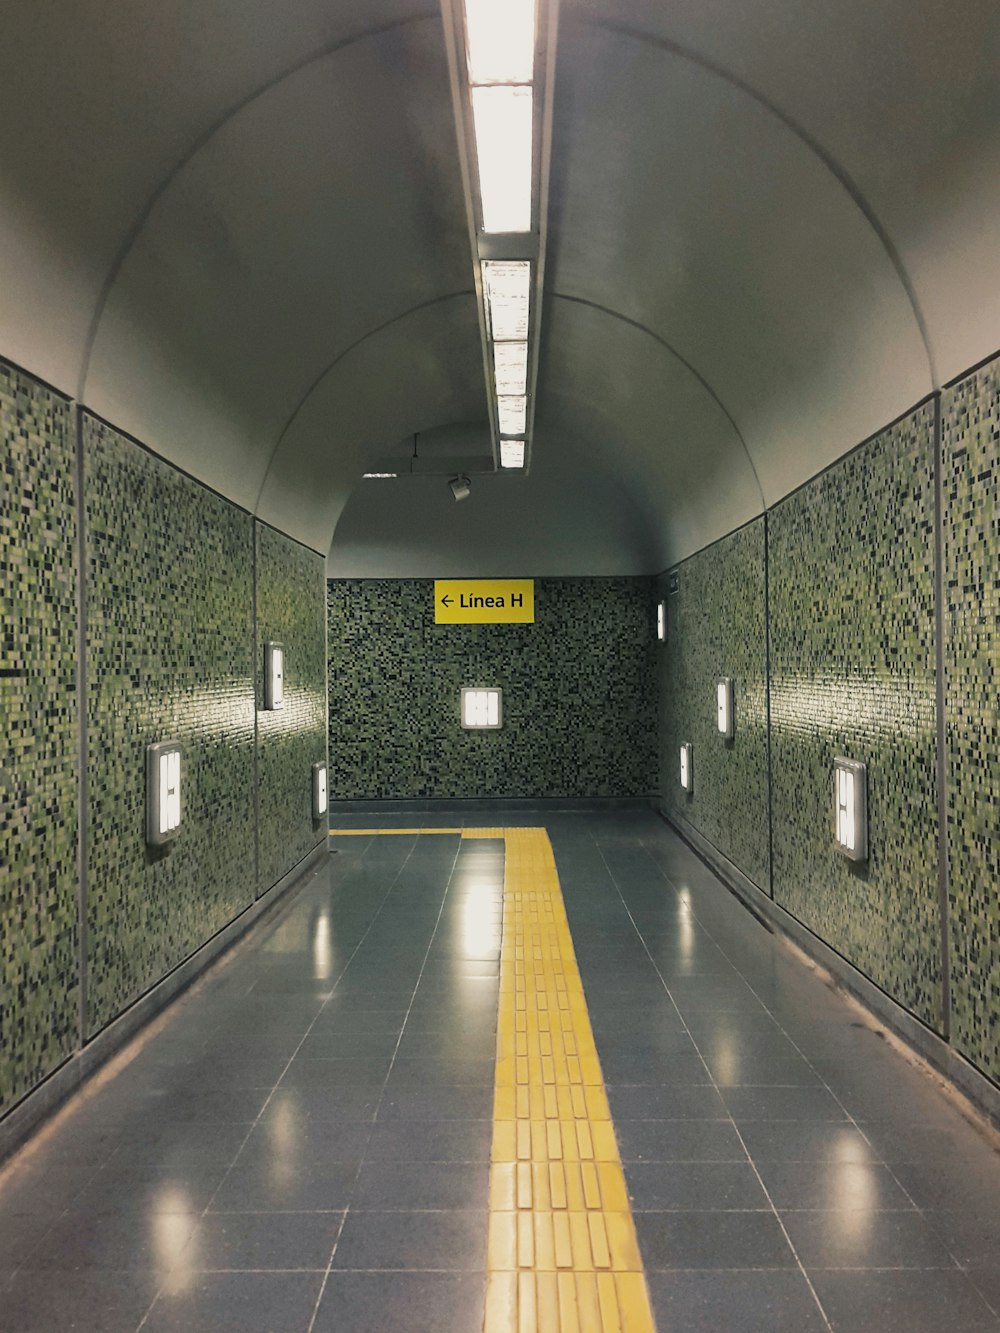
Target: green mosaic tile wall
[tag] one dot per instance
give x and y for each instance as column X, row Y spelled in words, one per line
column 39, row 994
column 170, row 654
column 291, row 592
column 716, row 628
column 971, row 551
column 579, row 693
column 851, row 588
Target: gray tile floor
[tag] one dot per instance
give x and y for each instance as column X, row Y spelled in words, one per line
column 302, row 1142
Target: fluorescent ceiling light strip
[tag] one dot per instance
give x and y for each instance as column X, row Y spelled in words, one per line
column 508, row 297
column 501, row 35
column 512, row 413
column 503, row 123
column 512, row 453
column 510, row 361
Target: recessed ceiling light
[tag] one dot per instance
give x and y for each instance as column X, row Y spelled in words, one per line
column 512, row 453
column 510, row 361
column 503, row 124
column 369, row 475
column 512, row 413
column 508, row 297
column 501, row 40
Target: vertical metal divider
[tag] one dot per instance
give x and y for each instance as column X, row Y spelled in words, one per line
column 326, row 694
column 767, row 702
column 82, row 786
column 255, row 654
column 941, row 720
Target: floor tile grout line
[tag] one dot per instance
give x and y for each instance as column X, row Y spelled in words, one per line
column 267, row 1102
column 857, row 1125
column 406, row 1017
column 736, row 1128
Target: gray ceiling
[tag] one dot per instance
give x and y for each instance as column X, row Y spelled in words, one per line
column 237, row 230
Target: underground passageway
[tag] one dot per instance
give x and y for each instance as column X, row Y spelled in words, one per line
column 499, row 770
column 327, row 1132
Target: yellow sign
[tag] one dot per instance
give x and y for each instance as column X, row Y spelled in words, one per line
column 484, row 601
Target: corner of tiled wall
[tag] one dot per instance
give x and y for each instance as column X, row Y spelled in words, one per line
column 715, row 605
column 579, row 693
column 970, row 443
column 39, row 940
column 169, row 656
column 291, row 608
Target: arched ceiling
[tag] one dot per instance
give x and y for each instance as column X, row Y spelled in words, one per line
column 238, row 232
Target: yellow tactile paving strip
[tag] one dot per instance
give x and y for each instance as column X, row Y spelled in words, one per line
column 562, row 1252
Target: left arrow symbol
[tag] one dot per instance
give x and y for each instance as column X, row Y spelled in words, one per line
column 447, row 600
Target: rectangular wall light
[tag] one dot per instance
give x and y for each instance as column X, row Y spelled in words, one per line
column 850, row 787
column 661, row 621
column 510, row 362
column 274, row 676
column 512, row 415
column 511, row 453
column 687, row 766
column 163, row 792
column 501, row 40
column 502, row 116
column 507, row 285
column 482, row 710
column 319, row 791
column 724, row 707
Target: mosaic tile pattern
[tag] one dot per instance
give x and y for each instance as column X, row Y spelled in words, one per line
column 291, row 610
column 851, row 587
column 716, row 628
column 971, row 483
column 39, row 974
column 579, row 693
column 170, row 655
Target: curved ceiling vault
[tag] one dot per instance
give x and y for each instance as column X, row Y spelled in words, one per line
column 242, row 238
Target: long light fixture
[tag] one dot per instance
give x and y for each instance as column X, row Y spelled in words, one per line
column 502, row 59
column 502, row 118
column 501, row 41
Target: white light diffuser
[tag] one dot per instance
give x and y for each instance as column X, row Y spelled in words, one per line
column 482, row 710
column 687, row 766
column 510, row 361
column 513, row 415
column 507, row 285
column 661, row 621
column 512, row 453
column 274, row 676
column 319, row 792
column 501, row 36
column 724, row 707
column 503, row 121
column 369, row 476
column 850, row 799
column 163, row 792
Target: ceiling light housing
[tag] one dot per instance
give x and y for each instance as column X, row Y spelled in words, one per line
column 511, row 454
column 461, row 487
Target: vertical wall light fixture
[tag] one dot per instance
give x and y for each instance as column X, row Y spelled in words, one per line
column 319, row 791
column 724, row 707
column 274, row 676
column 687, row 766
column 163, row 792
column 850, row 788
column 661, row 621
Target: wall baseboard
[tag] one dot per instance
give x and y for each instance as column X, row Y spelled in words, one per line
column 26, row 1116
column 390, row 806
column 978, row 1089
